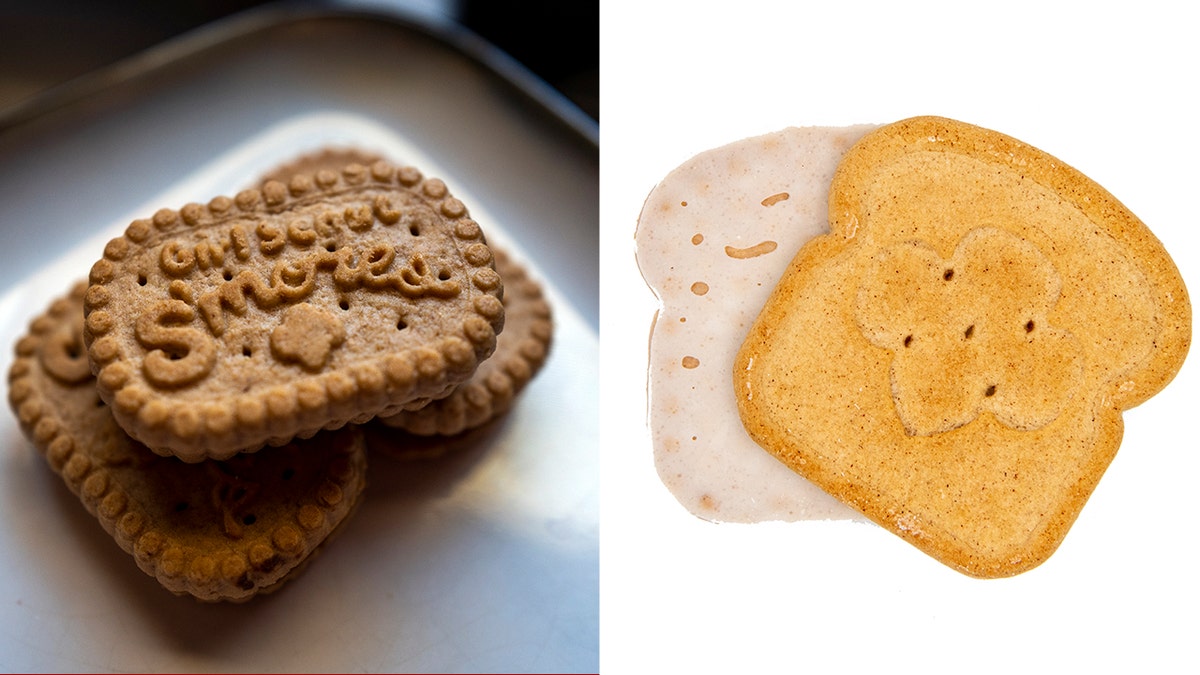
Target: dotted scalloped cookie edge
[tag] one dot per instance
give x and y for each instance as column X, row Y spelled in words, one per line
column 499, row 381
column 220, row 429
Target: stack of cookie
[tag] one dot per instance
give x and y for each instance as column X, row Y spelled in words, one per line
column 202, row 393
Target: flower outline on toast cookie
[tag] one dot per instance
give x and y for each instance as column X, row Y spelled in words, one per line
column 970, row 334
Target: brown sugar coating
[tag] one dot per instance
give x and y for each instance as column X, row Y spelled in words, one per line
column 954, row 357
column 521, row 351
column 337, row 297
column 211, row 530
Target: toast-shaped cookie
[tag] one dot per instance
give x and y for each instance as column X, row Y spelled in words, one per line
column 954, row 357
column 337, row 297
column 213, row 530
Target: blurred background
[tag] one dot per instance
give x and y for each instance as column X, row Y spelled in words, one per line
column 136, row 94
column 48, row 43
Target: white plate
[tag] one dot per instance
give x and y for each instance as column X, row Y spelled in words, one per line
column 485, row 560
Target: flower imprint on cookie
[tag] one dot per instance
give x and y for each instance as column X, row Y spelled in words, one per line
column 307, row 335
column 970, row 334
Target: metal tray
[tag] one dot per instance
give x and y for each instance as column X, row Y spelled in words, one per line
column 485, row 561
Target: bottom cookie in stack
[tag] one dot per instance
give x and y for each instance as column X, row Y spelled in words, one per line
column 214, row 530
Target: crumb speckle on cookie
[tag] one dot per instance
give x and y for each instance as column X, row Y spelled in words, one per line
column 761, row 248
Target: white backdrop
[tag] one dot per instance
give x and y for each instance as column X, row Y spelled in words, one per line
column 1110, row 92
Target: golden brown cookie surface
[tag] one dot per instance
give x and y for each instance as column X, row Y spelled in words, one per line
column 954, row 357
column 221, row 327
column 213, row 530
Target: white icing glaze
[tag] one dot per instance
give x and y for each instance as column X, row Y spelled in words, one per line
column 713, row 239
